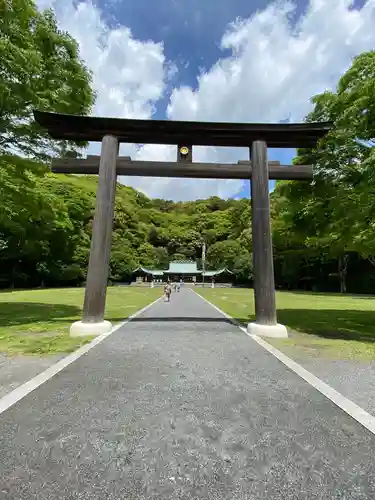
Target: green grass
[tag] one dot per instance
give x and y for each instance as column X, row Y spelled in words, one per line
column 325, row 325
column 38, row 321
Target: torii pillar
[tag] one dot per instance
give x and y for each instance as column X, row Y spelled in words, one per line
column 264, row 282
column 93, row 322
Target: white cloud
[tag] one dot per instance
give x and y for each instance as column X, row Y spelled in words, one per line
column 271, row 74
column 274, row 68
column 182, row 189
column 129, row 75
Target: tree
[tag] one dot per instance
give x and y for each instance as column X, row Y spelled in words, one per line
column 148, row 255
column 122, row 263
column 40, row 68
column 335, row 212
column 243, row 267
column 43, row 224
column 223, row 253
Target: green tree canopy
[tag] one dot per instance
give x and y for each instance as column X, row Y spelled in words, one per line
column 40, row 68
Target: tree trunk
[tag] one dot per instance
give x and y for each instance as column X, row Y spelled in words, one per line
column 342, row 271
column 13, row 276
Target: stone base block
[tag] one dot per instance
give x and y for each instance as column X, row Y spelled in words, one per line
column 80, row 328
column 276, row 331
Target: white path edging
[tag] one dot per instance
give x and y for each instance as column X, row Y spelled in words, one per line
column 349, row 407
column 32, row 384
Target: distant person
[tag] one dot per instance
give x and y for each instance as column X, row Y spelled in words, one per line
column 167, row 291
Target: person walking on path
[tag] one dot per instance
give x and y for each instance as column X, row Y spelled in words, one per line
column 167, row 291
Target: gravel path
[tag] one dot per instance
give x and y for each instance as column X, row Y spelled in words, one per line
column 354, row 379
column 16, row 370
column 180, row 404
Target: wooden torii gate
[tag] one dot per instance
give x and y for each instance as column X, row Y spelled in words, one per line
column 112, row 131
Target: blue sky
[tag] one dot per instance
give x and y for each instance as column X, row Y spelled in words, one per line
column 232, row 60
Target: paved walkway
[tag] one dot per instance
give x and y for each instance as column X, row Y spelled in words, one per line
column 180, row 404
column 16, row 370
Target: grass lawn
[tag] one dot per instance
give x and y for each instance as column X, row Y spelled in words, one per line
column 38, row 321
column 329, row 325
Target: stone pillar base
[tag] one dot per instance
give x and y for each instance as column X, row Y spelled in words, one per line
column 276, row 331
column 81, row 329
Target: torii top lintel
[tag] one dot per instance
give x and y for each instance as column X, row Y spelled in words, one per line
column 89, row 128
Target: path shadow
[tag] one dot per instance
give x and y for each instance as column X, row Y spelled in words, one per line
column 21, row 313
column 330, row 324
column 179, row 319
column 330, row 294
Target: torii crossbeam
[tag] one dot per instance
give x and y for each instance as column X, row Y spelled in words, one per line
column 193, row 170
column 184, row 135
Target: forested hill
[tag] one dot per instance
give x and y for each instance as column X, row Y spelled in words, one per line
column 45, row 235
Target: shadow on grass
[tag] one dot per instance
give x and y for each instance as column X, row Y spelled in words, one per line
column 21, row 313
column 328, row 294
column 330, row 324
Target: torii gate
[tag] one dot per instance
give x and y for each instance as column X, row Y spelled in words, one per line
column 112, row 131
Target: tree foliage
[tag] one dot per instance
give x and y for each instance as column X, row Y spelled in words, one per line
column 40, row 68
column 47, row 239
column 334, row 217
